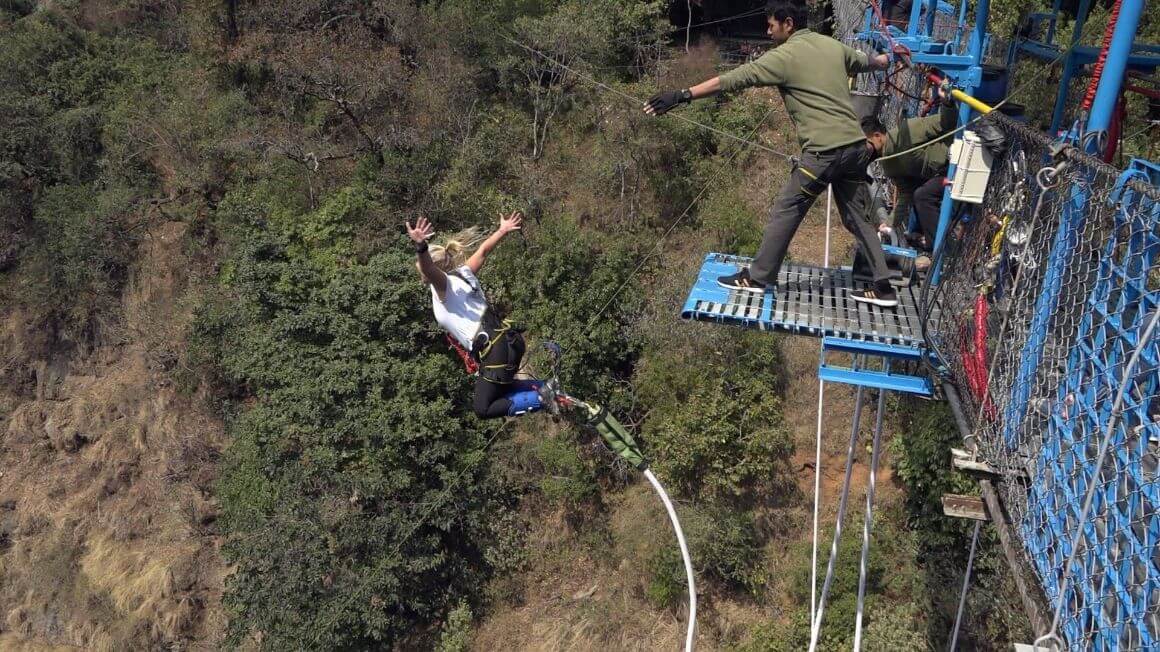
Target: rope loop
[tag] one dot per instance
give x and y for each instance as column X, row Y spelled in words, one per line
column 1048, row 177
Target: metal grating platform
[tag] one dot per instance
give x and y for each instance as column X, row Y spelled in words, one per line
column 808, row 300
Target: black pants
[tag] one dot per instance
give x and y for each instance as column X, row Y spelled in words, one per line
column 845, row 169
column 496, row 374
column 927, row 203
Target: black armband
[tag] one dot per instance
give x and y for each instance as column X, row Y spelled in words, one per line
column 420, row 247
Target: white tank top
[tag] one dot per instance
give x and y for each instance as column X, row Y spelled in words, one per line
column 461, row 310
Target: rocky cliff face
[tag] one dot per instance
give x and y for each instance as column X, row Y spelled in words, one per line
column 107, row 536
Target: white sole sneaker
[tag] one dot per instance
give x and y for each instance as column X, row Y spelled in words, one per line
column 755, row 290
column 885, row 303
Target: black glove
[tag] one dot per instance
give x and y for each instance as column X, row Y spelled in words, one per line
column 660, row 103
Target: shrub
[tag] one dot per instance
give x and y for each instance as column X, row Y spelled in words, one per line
column 79, row 255
column 456, row 633
column 356, row 496
column 716, row 423
column 566, row 478
column 725, row 549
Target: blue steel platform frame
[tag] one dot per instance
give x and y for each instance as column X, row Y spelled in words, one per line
column 1115, row 602
column 815, row 301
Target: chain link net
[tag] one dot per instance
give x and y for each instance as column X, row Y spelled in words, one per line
column 1046, row 290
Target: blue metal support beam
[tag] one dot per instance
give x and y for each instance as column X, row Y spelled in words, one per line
column 1108, row 92
column 883, row 378
column 969, row 86
column 876, row 380
column 1069, row 64
column 1087, row 54
column 912, row 23
column 931, row 8
column 1054, row 17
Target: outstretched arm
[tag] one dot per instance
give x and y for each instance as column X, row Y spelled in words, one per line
column 767, row 70
column 507, row 224
column 661, row 103
column 432, row 274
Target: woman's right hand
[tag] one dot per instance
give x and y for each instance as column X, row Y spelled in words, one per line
column 421, row 231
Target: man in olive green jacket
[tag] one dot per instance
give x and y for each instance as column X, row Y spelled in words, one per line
column 917, row 174
column 812, row 72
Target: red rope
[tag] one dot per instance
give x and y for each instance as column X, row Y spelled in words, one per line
column 894, row 47
column 974, row 356
column 469, row 363
column 1098, row 70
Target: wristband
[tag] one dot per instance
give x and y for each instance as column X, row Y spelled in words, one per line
column 686, row 95
column 420, row 247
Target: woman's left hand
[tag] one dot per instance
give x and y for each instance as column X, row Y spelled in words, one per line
column 510, row 223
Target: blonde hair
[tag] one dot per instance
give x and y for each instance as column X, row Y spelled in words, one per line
column 452, row 254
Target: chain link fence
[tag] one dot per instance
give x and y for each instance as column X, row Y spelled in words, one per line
column 1046, row 290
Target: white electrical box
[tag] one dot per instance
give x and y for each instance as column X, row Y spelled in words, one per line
column 972, row 169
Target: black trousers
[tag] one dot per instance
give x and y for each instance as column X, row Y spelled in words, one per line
column 927, row 202
column 845, row 169
column 496, row 374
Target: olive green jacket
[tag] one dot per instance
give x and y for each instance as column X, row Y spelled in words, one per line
column 812, row 72
column 912, row 169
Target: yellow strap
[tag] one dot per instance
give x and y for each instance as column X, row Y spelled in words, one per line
column 997, row 241
column 506, row 325
column 808, row 173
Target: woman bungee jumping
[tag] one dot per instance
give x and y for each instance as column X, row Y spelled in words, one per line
column 462, row 310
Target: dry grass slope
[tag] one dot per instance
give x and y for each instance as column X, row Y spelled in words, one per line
column 106, row 520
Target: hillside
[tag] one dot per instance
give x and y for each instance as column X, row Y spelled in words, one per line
column 228, row 419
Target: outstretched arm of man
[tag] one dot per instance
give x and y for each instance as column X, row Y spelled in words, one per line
column 662, row 102
column 767, row 70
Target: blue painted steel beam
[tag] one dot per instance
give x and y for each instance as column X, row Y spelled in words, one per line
column 1086, row 54
column 912, row 24
column 861, row 347
column 1069, row 64
column 876, row 379
column 969, row 82
column 1108, row 91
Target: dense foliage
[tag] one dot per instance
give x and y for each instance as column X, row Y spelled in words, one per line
column 362, row 506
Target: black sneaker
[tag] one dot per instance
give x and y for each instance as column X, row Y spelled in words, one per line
column 881, row 295
column 740, row 281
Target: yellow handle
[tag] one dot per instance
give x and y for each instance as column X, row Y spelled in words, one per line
column 970, row 101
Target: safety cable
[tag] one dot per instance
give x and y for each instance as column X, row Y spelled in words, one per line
column 816, row 617
column 818, row 434
column 745, row 14
column 676, row 222
column 966, row 584
column 868, row 523
column 639, row 102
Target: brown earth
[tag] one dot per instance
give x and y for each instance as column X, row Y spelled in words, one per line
column 106, row 514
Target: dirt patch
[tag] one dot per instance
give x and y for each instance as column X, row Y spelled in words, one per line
column 107, row 518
